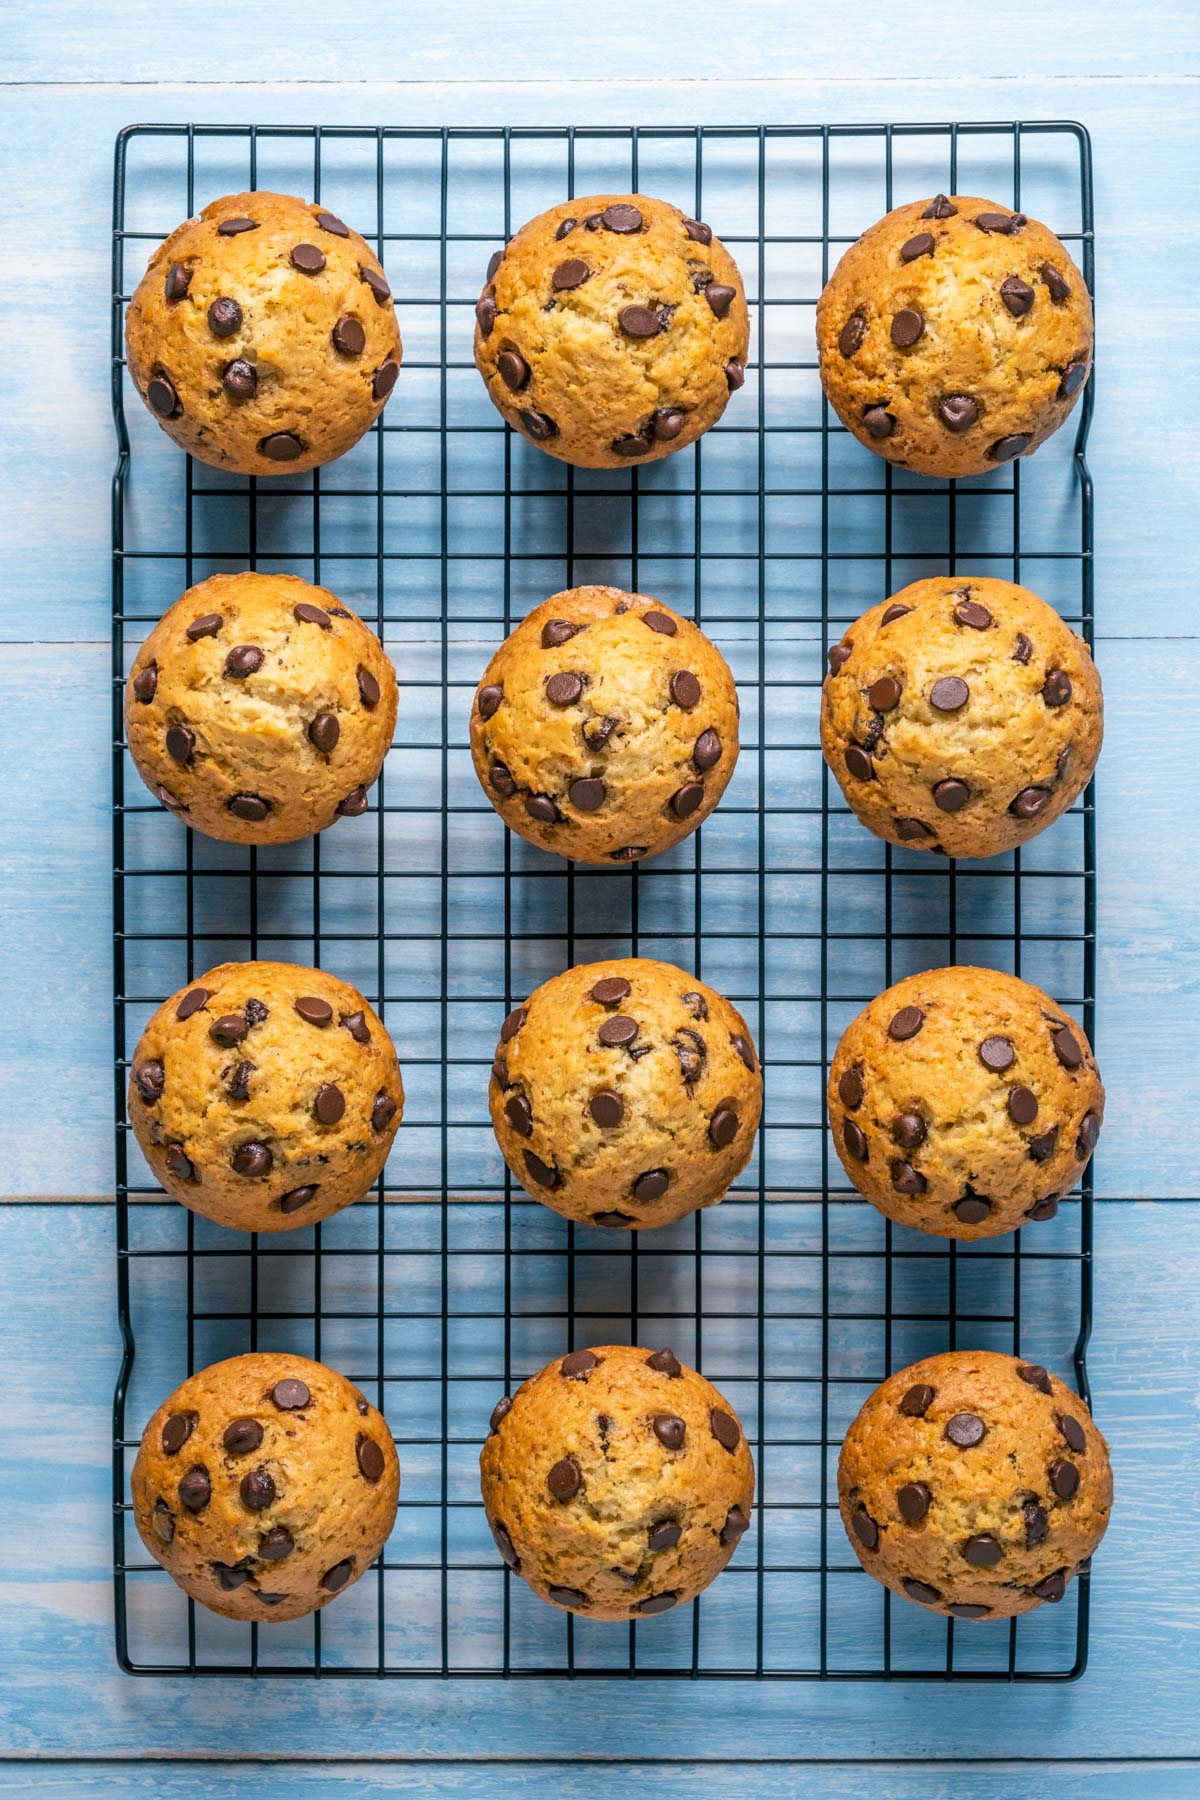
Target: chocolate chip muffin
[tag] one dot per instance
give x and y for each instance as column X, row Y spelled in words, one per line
column 625, row 1093
column 975, row 1484
column 617, row 1482
column 265, row 1095
column 954, row 336
column 964, row 1102
column 961, row 716
column 612, row 330
column 260, row 709
column 262, row 336
column 265, row 1485
column 605, row 727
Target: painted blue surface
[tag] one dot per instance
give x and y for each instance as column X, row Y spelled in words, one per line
column 81, row 74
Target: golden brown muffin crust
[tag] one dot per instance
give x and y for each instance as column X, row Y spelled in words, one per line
column 975, row 1484
column 625, row 1093
column 954, row 336
column 263, row 336
column 964, row 1102
column 260, row 709
column 617, row 1482
column 612, row 330
column 605, row 727
column 265, row 1485
column 265, row 1095
column 961, row 715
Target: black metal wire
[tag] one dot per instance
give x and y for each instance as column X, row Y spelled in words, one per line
column 790, row 1228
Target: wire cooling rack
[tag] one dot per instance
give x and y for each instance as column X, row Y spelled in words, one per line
column 447, row 1287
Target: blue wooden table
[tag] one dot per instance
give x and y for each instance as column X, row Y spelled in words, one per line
column 74, row 75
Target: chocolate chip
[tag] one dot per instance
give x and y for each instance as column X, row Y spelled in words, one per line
column 513, row 369
column 951, row 796
column 180, row 743
column 965, row 1430
column 597, row 732
column 519, row 1113
column 313, row 1010
column 207, row 625
column 669, row 1430
column 539, row 425
column 864, row 1528
column 707, row 751
column 906, row 1179
column 564, row 688
column 651, row 1185
column 1043, row 1209
column 281, row 446
column 1056, row 284
column 698, row 230
column 621, row 218
column 160, row 392
column 618, row 1030
column 234, row 227
column 378, row 286
column 640, row 322
column 290, row 1394
column 909, row 1130
column 906, row 1023
column 1067, row 1050
column 500, row 1411
column 240, row 379
column 997, row 1054
column 1073, row 1432
column 485, row 313
column 1062, row 762
column 913, row 247
column 1037, row 1523
column 685, row 689
column 540, row 1172
column 921, row 1590
column 230, row 1576
column 385, row 379
column 253, row 1160
column 745, row 1050
column 257, row 1489
column 178, row 1163
column 910, row 829
column 1034, row 1375
column 884, row 694
column 940, row 208
column 324, row 732
column 1053, row 1587
column 335, row 1579
column 1005, row 448
column 982, row 1551
column 274, row 1545
column 879, row 421
column 736, row 1522
column 914, row 1500
column 1030, row 803
column 228, row 1030
column 607, row 1108
column 637, row 443
column 850, row 1087
column 628, row 853
column 195, row 1490
column 164, row 1522
column 177, row 1430
column 383, row 1112
column 661, row 622
column 949, row 694
column 494, row 261
column 894, row 612
column 665, row 1362
column 330, row 1104
column 663, row 1536
column 298, row 1197
column 851, row 336
column 242, row 1436
column 308, row 259
column 723, row 1127
column 369, row 1456
column 224, row 317
column 307, row 614
column 855, row 1140
column 178, row 281
column 243, row 660
column 1089, row 1135
column 859, row 764
column 330, row 222
column 567, row 1596
column 1056, row 689
column 907, row 327
column 1003, row 223
column 917, row 1400
column 564, row 1479
column 1022, row 1105
column 725, row 1429
column 685, row 801
column 972, row 1209
column 1017, row 295
column 354, row 805
column 1064, row 1479
column 516, row 1019
column 720, row 298
column 577, row 1364
column 145, row 682
column 566, row 227
column 1042, row 1148
column 570, row 274
column 150, row 1078
column 559, row 631
column 970, row 613
column 958, row 412
column 968, row 1609
column 504, row 1544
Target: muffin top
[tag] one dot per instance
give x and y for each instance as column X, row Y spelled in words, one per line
column 964, row 1102
column 260, row 708
column 961, row 715
column 612, row 330
column 265, row 1485
column 617, row 1482
column 605, row 727
column 265, row 1095
column 263, row 336
column 955, row 335
column 975, row 1484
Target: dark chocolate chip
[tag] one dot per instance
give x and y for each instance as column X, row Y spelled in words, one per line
column 911, row 829
column 145, row 683
column 855, row 1141
column 852, row 333
column 564, row 688
column 940, row 208
column 914, row 1500
column 725, row 1429
column 228, row 1030
column 736, row 1522
column 1057, row 286
column 951, row 796
column 243, row 660
column 354, row 805
column 369, row 1456
column 570, row 274
column 707, row 751
column 1067, row 1050
column 559, row 631
column 514, row 371
column 745, row 1050
column 494, row 261
column 639, row 322
column 906, row 1023
column 949, row 694
column 1089, row 1135
column 665, row 1362
column 519, row 1113
column 150, row 1078
column 997, row 1054
column 968, row 1609
column 1006, row 448
column 685, row 689
column 207, row 625
column 240, row 379
column 1037, row 1523
column 607, row 1108
column 651, row 1185
column 698, row 230
column 305, row 613
column 972, row 1209
column 164, row 1522
column 1073, row 1432
column 177, row 1430
column 179, row 1164
column 335, row 1579
column 909, row 1130
column 913, row 247
column 1022, row 1105
column 1053, row 1587
column 291, row 1394
column 864, row 1528
column 719, row 297
column 566, row 227
column 383, row 1111
column 982, row 1551
column 687, row 798
column 970, row 613
column 921, row 1590
column 859, row 764
column 253, row 1160
column 275, row 1544
column 298, row 1197
column 879, row 422
column 515, row 1020
column 251, row 807
column 538, row 424
column 191, row 1003
column 1030, row 803
column 636, row 443
column 618, row 1030
column 1035, row 1376
column 308, row 259
column 180, row 743
column 230, row 1576
column 1043, row 1209
column 735, row 374
column 906, row 1179
column 241, row 1436
column 378, row 286
column 331, row 223
column 1064, row 1479
column 958, row 412
column 500, row 1411
column 1042, row 1147
column 540, row 1172
column 281, row 446
column 1017, row 295
column 313, row 1010
column 661, row 622
column 1003, row 223
column 621, row 218
column 195, row 1490
column 587, row 794
column 485, row 313
column 577, row 1364
column 850, row 1087
column 884, row 694
column 234, row 227
column 384, row 379
column 178, row 281
column 723, row 1127
column 224, row 317
column 564, row 1479
column 504, row 1544
column 160, row 392
column 257, row 1488
column 908, row 325
column 965, row 1430
column 663, row 1536
column 324, row 732
column 669, row 1430
column 1074, row 376
column 330, row 1103
column 917, row 1400
column 1056, row 689
column 567, row 1596
column 894, row 612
